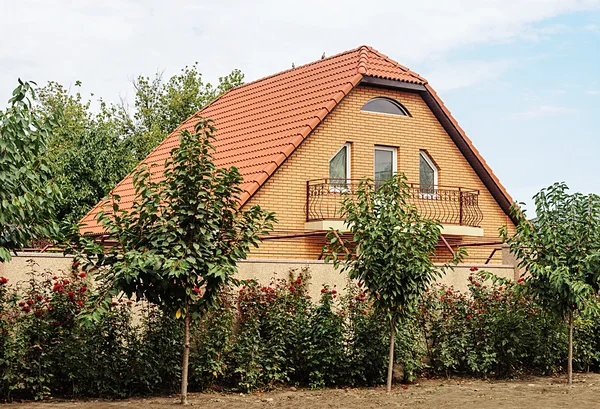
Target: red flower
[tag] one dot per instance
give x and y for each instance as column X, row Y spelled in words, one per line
column 39, row 297
column 359, row 284
column 404, row 387
column 30, row 302
column 80, row 303
column 57, row 323
column 77, row 311
column 3, row 280
column 196, row 290
column 333, row 292
column 38, row 313
column 292, row 288
column 58, row 288
column 500, row 288
column 323, row 290
column 22, row 304
column 365, row 312
column 82, row 275
column 298, row 281
column 129, row 303
column 75, row 264
column 114, row 303
column 71, row 294
column 83, row 289
column 469, row 316
column 26, row 308
column 474, row 269
column 476, row 284
column 65, row 282
column 55, row 278
column 520, row 280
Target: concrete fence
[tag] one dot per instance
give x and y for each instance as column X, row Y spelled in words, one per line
column 266, row 270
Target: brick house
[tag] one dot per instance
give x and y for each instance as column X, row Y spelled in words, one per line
column 302, row 136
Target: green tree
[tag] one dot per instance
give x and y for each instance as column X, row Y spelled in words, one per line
column 390, row 251
column 27, row 193
column 88, row 149
column 161, row 106
column 560, row 251
column 97, row 145
column 179, row 244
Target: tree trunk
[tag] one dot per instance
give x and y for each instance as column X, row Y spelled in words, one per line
column 186, row 357
column 570, row 362
column 391, row 361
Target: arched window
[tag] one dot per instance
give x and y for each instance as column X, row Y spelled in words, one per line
column 385, row 106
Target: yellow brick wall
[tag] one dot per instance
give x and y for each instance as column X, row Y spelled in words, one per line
column 285, row 192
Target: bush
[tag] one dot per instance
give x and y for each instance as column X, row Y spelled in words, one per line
column 260, row 337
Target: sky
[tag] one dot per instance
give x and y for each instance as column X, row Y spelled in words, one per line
column 522, row 77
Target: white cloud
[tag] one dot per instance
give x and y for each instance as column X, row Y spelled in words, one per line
column 542, row 111
column 105, row 43
column 593, row 92
column 462, row 74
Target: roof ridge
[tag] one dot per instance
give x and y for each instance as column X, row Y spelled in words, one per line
column 396, row 63
column 295, row 68
column 363, row 60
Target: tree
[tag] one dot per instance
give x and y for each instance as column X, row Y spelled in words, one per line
column 27, row 192
column 161, row 106
column 560, row 252
column 390, row 251
column 88, row 149
column 97, row 146
column 179, row 244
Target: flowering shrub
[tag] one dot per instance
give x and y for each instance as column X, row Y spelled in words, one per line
column 493, row 330
column 259, row 336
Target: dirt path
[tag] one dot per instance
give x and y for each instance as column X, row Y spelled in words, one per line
column 532, row 393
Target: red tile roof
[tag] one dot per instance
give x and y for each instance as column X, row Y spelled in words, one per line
column 260, row 124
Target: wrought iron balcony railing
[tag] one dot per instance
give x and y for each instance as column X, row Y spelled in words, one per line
column 448, row 205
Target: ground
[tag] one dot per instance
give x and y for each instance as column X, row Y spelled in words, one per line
column 530, row 393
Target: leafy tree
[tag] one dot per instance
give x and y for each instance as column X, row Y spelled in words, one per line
column 97, row 146
column 27, row 192
column 179, row 244
column 160, row 107
column 392, row 250
column 560, row 250
column 90, row 154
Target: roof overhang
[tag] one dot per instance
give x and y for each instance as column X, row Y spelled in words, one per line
column 457, row 135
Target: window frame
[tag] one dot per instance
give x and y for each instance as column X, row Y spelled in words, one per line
column 339, row 189
column 394, row 151
column 402, row 108
column 422, row 195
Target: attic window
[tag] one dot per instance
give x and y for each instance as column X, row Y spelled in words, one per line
column 339, row 168
column 383, row 105
column 428, row 174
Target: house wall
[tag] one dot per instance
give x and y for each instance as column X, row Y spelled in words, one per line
column 285, row 192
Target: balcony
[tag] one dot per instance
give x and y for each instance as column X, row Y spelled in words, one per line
column 456, row 208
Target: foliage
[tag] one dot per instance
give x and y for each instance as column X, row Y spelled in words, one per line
column 161, row 106
column 262, row 337
column 88, row 149
column 179, row 244
column 560, row 250
column 394, row 245
column 97, row 144
column 495, row 329
column 27, row 193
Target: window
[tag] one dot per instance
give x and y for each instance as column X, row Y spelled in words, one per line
column 385, row 163
column 385, row 106
column 428, row 175
column 339, row 168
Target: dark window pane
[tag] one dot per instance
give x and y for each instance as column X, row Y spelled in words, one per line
column 384, row 106
column 426, row 176
column 384, row 164
column 338, row 167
